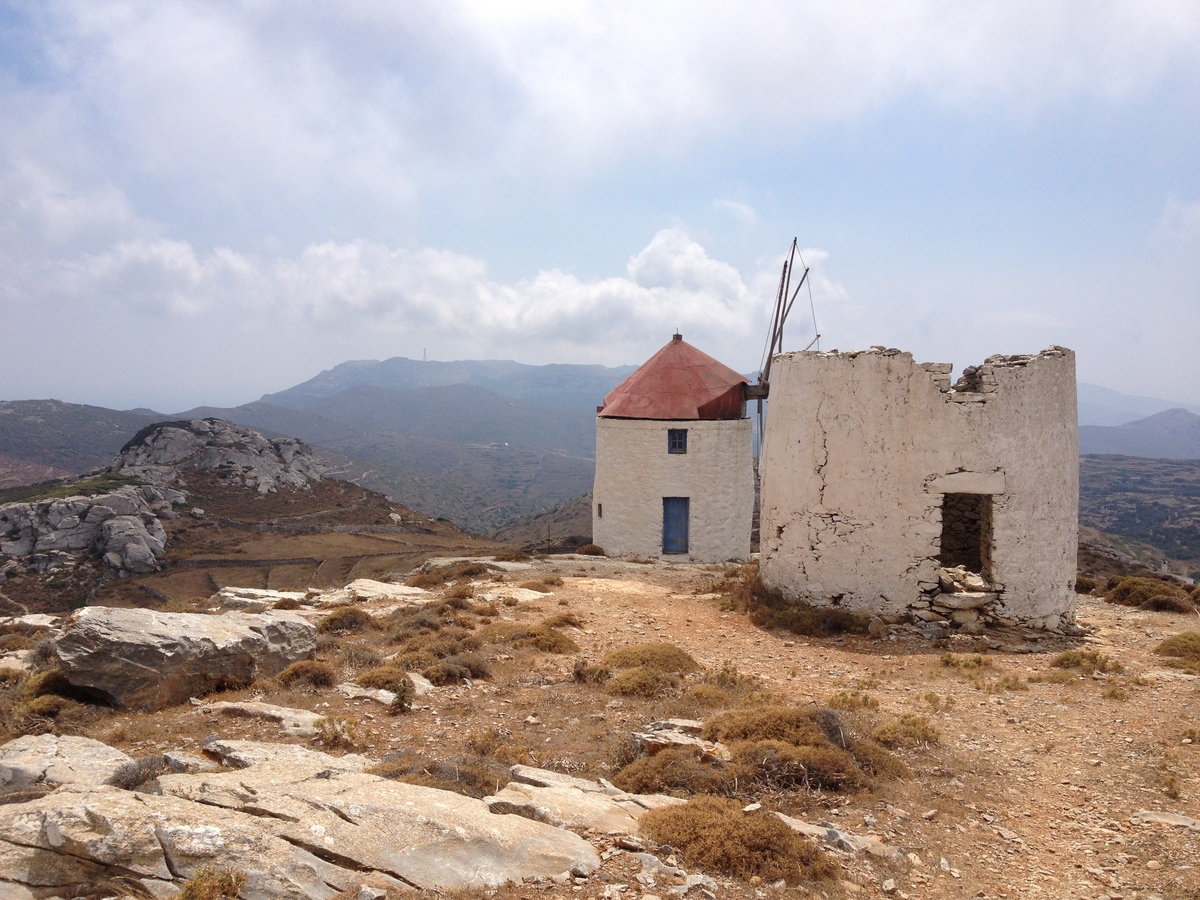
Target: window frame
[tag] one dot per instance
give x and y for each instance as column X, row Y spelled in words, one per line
column 677, row 441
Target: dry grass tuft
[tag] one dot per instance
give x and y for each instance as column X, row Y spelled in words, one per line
column 211, row 883
column 286, row 603
column 744, row 591
column 910, row 730
column 540, row 586
column 954, row 661
column 714, row 835
column 590, row 550
column 657, row 657
column 541, row 637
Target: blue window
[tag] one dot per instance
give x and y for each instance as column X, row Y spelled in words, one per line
column 677, row 440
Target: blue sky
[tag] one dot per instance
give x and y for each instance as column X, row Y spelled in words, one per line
column 204, row 201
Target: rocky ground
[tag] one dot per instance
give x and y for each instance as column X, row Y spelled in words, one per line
column 1036, row 780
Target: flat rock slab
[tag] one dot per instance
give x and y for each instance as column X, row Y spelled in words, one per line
column 144, row 659
column 53, row 760
column 81, row 836
column 296, row 722
column 367, row 589
column 1144, row 816
column 564, row 807
column 427, row 838
column 245, row 754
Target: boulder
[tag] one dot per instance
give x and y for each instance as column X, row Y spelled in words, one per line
column 144, row 659
column 48, row 759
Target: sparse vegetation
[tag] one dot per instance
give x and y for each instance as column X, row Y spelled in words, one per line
column 590, row 550
column 641, row 681
column 851, row 699
column 473, row 776
column 1088, row 661
column 337, row 733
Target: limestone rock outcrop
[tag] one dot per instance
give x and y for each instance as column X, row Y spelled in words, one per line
column 296, row 822
column 144, row 659
column 122, row 526
column 243, row 455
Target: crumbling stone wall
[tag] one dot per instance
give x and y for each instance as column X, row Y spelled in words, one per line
column 868, row 455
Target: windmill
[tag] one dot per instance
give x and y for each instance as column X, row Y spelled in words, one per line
column 785, row 299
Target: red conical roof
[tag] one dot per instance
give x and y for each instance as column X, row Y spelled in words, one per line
column 678, row 382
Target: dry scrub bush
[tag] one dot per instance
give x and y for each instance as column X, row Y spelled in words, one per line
column 538, row 637
column 657, row 657
column 132, row 775
column 540, row 587
column 347, row 618
column 307, row 673
column 705, row 695
column 714, row 835
column 1182, row 651
column 472, row 776
column 585, row 673
column 10, row 676
column 387, row 678
column 641, row 682
column 765, row 723
column 673, row 769
column 910, row 730
column 590, row 550
column 462, row 591
column 286, row 603
column 1088, row 661
column 211, row 883
column 1150, row 594
column 563, row 620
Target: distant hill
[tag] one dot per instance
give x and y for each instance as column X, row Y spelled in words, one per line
column 1104, row 406
column 42, row 439
column 1171, row 434
column 555, row 385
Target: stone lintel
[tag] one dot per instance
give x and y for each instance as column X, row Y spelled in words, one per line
column 967, row 483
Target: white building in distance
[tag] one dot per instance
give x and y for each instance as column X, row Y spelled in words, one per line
column 674, row 466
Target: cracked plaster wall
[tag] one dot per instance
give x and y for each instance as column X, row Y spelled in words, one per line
column 634, row 472
column 859, row 449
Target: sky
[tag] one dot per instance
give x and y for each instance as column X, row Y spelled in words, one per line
column 201, row 202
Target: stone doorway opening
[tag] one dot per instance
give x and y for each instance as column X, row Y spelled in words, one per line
column 967, row 533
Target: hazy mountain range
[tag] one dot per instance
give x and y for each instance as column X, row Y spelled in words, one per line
column 479, row 442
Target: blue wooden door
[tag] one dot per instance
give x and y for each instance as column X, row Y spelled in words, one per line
column 675, row 524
